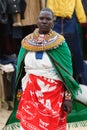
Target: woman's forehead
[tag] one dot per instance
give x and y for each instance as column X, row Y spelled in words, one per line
column 45, row 13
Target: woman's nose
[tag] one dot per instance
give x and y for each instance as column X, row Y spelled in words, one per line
column 44, row 21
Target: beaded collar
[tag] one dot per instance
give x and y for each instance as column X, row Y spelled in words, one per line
column 42, row 42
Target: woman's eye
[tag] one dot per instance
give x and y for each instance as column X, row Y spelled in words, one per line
column 48, row 19
column 41, row 18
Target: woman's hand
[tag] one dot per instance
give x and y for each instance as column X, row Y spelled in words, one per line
column 67, row 106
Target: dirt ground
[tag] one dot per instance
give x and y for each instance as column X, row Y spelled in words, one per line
column 4, row 114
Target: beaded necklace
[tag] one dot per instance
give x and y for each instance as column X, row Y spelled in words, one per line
column 42, row 42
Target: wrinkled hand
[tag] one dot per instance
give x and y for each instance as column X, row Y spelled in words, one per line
column 67, row 106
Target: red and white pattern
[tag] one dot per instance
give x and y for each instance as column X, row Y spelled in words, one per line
column 40, row 107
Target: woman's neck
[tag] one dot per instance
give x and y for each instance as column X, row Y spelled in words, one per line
column 41, row 32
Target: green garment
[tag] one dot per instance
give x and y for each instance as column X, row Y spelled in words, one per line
column 61, row 60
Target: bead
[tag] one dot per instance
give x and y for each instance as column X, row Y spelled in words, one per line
column 68, row 95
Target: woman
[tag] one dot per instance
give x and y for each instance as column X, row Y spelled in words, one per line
column 46, row 59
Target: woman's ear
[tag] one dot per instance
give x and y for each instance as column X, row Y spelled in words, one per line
column 52, row 26
column 53, row 22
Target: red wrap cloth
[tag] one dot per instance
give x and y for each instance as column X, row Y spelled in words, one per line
column 40, row 107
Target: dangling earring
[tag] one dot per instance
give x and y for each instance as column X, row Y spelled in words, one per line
column 52, row 26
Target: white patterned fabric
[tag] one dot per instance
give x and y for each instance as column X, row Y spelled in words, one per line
column 39, row 67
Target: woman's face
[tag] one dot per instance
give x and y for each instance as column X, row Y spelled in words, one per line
column 45, row 22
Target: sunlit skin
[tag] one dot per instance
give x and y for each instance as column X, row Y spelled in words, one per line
column 45, row 22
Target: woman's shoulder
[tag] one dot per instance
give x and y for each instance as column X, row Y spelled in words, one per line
column 27, row 37
column 60, row 38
